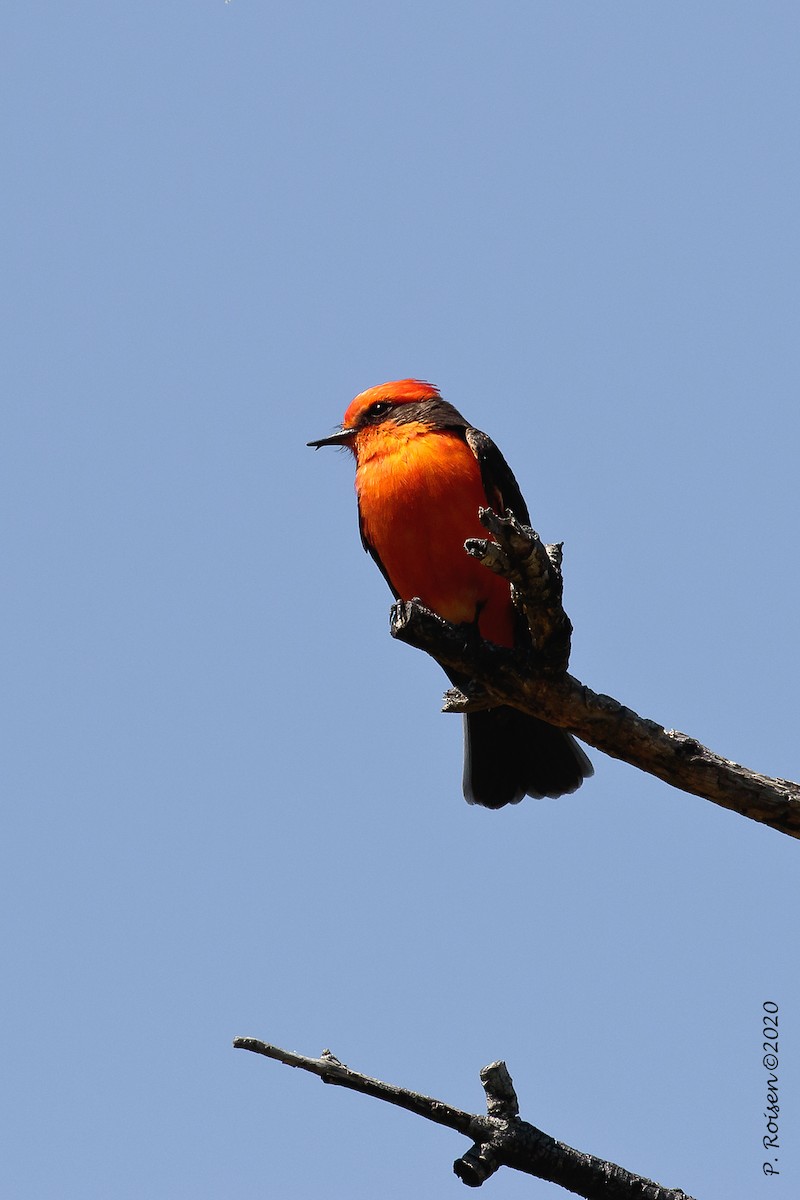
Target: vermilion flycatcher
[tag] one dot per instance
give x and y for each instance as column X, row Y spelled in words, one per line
column 422, row 472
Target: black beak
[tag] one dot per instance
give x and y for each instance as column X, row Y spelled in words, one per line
column 340, row 438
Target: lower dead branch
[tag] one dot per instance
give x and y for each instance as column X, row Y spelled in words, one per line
column 500, row 1138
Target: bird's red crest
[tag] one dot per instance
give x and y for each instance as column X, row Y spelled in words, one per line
column 399, row 391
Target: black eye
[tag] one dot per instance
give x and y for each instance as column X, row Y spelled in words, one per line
column 379, row 408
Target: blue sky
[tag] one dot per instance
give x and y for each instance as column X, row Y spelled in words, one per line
column 231, row 804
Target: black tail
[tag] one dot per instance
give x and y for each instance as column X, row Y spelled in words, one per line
column 509, row 754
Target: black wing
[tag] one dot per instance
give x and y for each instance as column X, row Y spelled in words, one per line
column 502, row 489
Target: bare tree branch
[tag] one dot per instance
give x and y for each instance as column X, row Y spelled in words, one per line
column 537, row 682
column 534, row 571
column 500, row 1138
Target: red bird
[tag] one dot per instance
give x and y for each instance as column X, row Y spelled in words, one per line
column 422, row 472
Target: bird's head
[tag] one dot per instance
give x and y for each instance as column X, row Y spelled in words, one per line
column 399, row 402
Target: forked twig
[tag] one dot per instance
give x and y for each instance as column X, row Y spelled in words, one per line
column 500, row 1137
